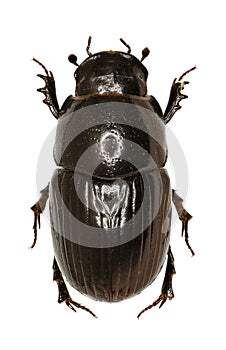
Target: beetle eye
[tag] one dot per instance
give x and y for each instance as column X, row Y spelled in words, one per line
column 73, row 59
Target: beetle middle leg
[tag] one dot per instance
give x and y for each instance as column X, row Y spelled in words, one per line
column 167, row 289
column 64, row 295
column 38, row 208
column 184, row 216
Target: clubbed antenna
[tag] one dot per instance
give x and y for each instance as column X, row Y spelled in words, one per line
column 73, row 59
column 145, row 53
column 88, row 46
column 124, row 43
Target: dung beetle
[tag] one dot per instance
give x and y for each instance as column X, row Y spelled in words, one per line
column 110, row 195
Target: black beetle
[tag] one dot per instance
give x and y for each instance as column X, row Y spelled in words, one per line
column 110, row 196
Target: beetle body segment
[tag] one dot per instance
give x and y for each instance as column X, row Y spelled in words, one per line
column 118, row 272
column 127, row 252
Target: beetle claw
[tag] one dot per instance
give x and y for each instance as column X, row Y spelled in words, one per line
column 64, row 295
column 167, row 290
column 69, row 302
column 161, row 299
column 187, row 71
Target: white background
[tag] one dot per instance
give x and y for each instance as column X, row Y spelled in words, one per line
column 179, row 34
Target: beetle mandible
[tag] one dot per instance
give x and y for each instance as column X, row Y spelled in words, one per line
column 110, row 195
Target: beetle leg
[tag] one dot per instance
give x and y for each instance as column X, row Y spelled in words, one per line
column 64, row 295
column 38, row 208
column 176, row 96
column 184, row 216
column 167, row 289
column 49, row 90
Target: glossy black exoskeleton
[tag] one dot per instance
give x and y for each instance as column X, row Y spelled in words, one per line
column 110, row 196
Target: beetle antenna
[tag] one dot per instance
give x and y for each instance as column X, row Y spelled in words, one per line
column 145, row 53
column 185, row 73
column 124, row 43
column 88, row 46
column 73, row 59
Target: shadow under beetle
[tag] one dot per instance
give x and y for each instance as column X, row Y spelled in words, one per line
column 110, row 196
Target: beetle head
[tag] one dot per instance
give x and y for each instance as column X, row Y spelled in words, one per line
column 111, row 72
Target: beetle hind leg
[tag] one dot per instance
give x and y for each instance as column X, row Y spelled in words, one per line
column 167, row 289
column 184, row 216
column 64, row 295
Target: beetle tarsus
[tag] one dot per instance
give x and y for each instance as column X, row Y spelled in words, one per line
column 38, row 208
column 176, row 96
column 49, row 90
column 167, row 289
column 69, row 302
column 161, row 299
column 64, row 295
column 184, row 216
column 185, row 73
column 37, row 224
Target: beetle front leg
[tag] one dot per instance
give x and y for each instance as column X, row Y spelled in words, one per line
column 49, row 90
column 64, row 295
column 167, row 289
column 38, row 208
column 176, row 96
column 184, row 216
